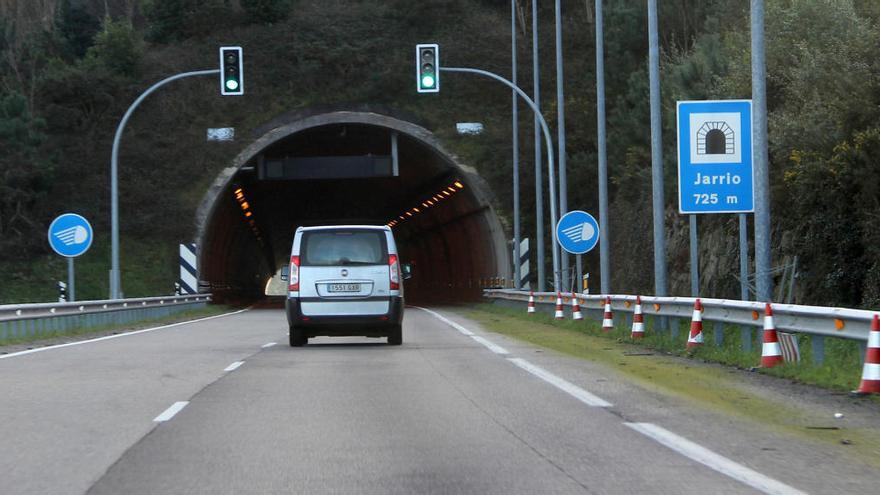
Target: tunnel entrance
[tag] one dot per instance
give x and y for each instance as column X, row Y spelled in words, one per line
column 350, row 168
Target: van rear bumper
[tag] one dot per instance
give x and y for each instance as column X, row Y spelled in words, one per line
column 343, row 325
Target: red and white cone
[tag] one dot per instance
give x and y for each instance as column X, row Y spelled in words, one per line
column 608, row 319
column 695, row 339
column 871, row 372
column 575, row 308
column 771, row 353
column 531, row 303
column 559, row 315
column 638, row 330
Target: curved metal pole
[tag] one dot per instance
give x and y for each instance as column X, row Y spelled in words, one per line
column 115, row 281
column 550, row 162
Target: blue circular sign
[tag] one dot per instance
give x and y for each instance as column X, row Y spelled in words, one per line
column 70, row 235
column 577, row 232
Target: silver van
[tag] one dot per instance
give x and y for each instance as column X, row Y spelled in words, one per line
column 344, row 280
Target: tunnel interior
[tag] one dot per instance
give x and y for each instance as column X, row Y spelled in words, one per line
column 351, row 169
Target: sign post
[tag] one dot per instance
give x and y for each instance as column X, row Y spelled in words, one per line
column 577, row 232
column 70, row 235
column 715, row 171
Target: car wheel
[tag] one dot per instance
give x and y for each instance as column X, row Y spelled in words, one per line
column 395, row 335
column 298, row 337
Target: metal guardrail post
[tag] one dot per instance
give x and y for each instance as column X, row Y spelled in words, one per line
column 818, row 343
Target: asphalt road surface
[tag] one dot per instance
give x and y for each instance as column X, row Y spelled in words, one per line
column 213, row 407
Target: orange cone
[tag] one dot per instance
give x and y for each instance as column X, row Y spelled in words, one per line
column 695, row 339
column 638, row 330
column 608, row 319
column 575, row 308
column 771, row 353
column 559, row 315
column 531, row 303
column 871, row 372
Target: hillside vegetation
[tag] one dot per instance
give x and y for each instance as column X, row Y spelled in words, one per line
column 70, row 68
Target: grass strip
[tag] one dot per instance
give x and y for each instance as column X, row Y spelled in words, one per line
column 653, row 365
column 209, row 310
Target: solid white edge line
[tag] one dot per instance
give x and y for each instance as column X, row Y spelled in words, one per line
column 270, row 344
column 463, row 330
column 171, row 411
column 234, row 366
column 560, row 383
column 126, row 334
column 719, row 463
column 497, row 349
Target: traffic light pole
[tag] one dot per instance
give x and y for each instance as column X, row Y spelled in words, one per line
column 550, row 162
column 115, row 280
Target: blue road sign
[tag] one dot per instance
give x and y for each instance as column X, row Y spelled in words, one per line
column 70, row 235
column 577, row 232
column 715, row 157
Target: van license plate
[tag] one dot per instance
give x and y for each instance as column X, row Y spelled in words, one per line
column 344, row 288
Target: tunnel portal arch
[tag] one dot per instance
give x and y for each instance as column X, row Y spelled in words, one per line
column 440, row 209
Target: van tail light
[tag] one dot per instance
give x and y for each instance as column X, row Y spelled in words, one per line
column 394, row 271
column 294, row 274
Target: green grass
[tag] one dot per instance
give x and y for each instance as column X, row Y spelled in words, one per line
column 660, row 369
column 209, row 310
column 149, row 268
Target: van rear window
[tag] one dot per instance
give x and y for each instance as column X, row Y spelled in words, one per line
column 343, row 247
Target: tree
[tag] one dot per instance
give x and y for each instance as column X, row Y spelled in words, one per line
column 117, row 48
column 76, row 26
column 266, row 11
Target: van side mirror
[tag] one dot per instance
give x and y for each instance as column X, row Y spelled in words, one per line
column 285, row 272
column 407, row 271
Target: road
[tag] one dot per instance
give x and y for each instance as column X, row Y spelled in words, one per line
column 447, row 412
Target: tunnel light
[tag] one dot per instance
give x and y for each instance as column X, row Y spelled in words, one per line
column 238, row 191
column 248, row 213
column 408, row 214
column 245, row 205
column 446, row 193
column 450, row 189
column 401, row 217
column 425, row 204
column 416, row 210
column 431, row 203
column 459, row 185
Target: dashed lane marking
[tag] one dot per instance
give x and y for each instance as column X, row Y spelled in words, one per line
column 171, row 411
column 234, row 366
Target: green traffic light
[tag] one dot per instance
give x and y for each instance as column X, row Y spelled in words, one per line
column 231, row 84
column 428, row 81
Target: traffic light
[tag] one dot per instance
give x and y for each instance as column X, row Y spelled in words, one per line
column 231, row 71
column 428, row 68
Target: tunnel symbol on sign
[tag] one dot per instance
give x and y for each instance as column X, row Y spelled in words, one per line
column 715, row 138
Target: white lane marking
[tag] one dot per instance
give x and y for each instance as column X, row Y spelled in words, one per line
column 566, row 386
column 497, row 349
column 171, row 411
column 127, row 334
column 234, row 366
column 270, row 344
column 463, row 330
column 715, row 461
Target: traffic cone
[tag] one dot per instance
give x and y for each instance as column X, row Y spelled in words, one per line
column 771, row 353
column 575, row 308
column 638, row 330
column 608, row 319
column 871, row 372
column 531, row 303
column 559, row 315
column 696, row 336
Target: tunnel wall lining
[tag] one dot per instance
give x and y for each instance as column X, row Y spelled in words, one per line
column 481, row 191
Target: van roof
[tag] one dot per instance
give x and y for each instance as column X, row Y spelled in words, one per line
column 328, row 227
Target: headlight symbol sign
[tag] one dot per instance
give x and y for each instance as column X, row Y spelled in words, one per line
column 577, row 232
column 70, row 235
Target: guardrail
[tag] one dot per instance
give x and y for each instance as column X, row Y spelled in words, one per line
column 817, row 321
column 28, row 320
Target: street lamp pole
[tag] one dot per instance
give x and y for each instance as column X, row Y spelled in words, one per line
column 550, row 161
column 115, row 279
